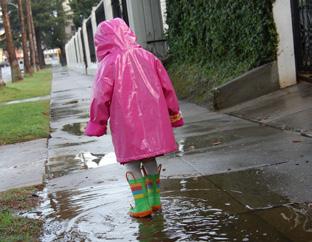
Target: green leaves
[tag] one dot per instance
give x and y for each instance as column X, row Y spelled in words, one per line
column 50, row 19
column 217, row 30
column 81, row 9
column 214, row 41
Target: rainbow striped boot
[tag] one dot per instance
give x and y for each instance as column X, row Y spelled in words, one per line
column 153, row 189
column 142, row 207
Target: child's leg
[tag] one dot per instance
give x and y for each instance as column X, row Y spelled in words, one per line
column 137, row 184
column 135, row 168
column 152, row 174
column 150, row 166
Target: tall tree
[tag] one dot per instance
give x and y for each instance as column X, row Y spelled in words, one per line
column 34, row 36
column 59, row 29
column 43, row 20
column 15, row 70
column 28, row 68
column 39, row 48
column 15, row 24
column 50, row 20
column 31, row 36
column 81, row 9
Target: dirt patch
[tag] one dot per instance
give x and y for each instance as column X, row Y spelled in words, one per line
column 14, row 227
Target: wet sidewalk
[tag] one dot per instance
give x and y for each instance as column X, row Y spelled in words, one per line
column 231, row 180
column 287, row 109
column 21, row 165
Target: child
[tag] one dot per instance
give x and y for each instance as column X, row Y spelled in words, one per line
column 133, row 89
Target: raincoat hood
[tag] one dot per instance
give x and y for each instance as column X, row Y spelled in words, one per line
column 113, row 35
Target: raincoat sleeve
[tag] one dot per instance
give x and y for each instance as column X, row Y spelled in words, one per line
column 170, row 95
column 100, row 102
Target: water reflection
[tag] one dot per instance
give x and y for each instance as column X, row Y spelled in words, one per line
column 75, row 128
column 90, row 160
column 67, row 164
column 192, row 211
column 299, row 215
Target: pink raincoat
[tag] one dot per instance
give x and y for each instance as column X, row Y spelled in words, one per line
column 133, row 90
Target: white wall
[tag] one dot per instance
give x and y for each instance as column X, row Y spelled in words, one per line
column 136, row 13
column 163, row 7
column 108, row 9
column 286, row 54
column 145, row 19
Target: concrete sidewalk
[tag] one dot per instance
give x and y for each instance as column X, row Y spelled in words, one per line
column 230, row 179
column 287, row 109
column 22, row 164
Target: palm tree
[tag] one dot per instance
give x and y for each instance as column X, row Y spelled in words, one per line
column 15, row 70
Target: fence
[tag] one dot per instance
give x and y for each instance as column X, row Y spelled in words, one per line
column 145, row 17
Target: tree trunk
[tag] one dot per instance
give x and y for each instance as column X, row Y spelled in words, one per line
column 2, row 83
column 63, row 56
column 15, row 70
column 40, row 50
column 34, row 36
column 28, row 68
column 30, row 34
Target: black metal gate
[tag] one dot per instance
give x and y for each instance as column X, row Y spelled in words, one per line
column 120, row 10
column 302, row 22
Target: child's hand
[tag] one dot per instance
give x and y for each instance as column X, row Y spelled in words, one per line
column 176, row 120
column 94, row 129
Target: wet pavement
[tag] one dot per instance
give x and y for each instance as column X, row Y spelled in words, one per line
column 193, row 210
column 231, row 180
column 287, row 109
column 21, row 165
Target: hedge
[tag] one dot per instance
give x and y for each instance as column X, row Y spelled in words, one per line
column 213, row 41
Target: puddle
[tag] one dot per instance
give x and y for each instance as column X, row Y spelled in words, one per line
column 74, row 144
column 221, row 139
column 294, row 220
column 63, row 165
column 192, row 211
column 90, row 160
column 60, row 113
column 75, row 129
column 196, row 144
column 71, row 102
column 84, row 116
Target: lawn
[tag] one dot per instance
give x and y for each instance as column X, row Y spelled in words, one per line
column 32, row 86
column 13, row 227
column 24, row 121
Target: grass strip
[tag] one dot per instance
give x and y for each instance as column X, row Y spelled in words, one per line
column 24, row 122
column 32, row 86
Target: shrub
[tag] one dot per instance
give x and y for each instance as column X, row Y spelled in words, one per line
column 217, row 40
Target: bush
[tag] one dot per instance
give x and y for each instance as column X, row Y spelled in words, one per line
column 217, row 40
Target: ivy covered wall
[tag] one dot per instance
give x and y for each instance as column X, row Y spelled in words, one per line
column 214, row 41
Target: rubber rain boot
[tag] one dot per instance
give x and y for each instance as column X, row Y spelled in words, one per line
column 153, row 189
column 142, row 207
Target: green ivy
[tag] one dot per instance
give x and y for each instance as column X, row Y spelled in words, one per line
column 219, row 40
